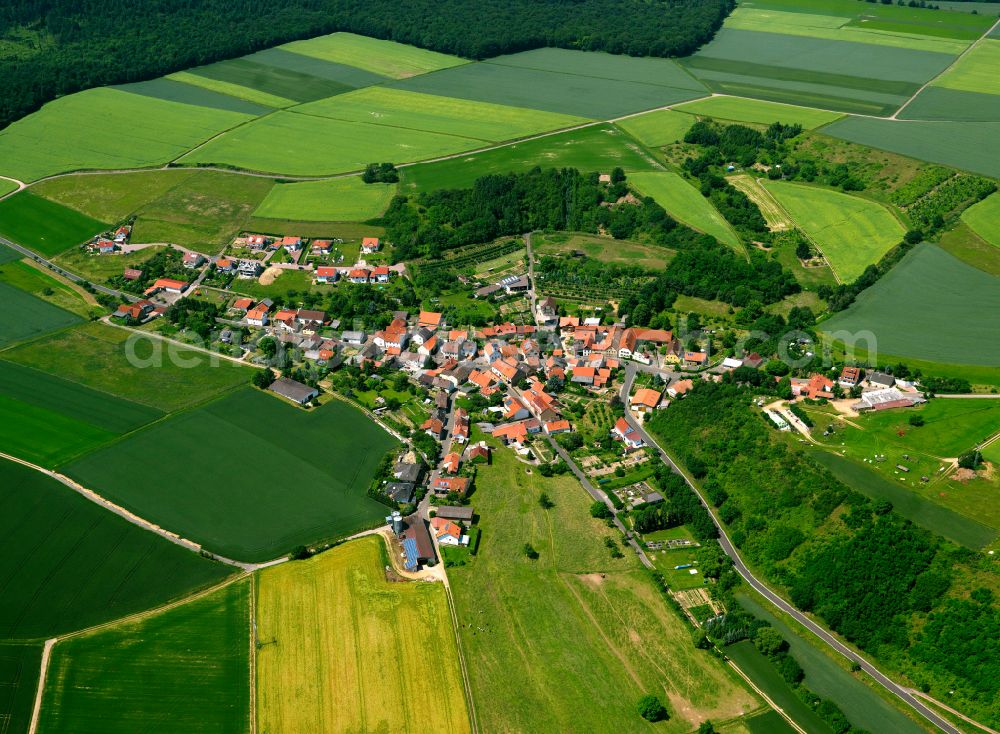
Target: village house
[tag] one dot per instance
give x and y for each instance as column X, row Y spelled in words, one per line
column 429, row 320
column 257, row 316
column 381, row 274
column 508, row 371
column 881, row 380
column 448, row 533
column 408, row 472
column 817, row 386
column 122, row 234
column 102, row 247
column 460, row 433
column 321, row 247
column 451, row 463
column 433, row 427
column 547, row 311
column 192, row 260
column 680, row 388
column 326, row 274
column 242, row 304
column 352, row 337
column 134, row 311
column 445, row 485
column 401, row 492
column 248, row 269
column 224, row 265
column 358, row 275
column 257, row 241
column 291, row 243
column 645, row 400
column 627, row 434
column 460, row 513
column 131, row 274
column 284, row 319
column 370, row 245
column 695, row 359
column 850, row 376
column 559, row 426
column 170, row 285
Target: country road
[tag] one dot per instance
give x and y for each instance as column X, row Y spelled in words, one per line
column 65, row 273
column 902, row 693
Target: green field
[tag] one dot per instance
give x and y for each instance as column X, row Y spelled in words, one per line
column 280, row 82
column 172, row 90
column 576, row 635
column 944, row 295
column 387, row 58
column 578, row 84
column 852, row 232
column 300, row 281
column 398, row 108
column 47, row 420
column 43, row 225
column 686, row 204
column 7, row 186
column 969, row 247
column 297, row 144
column 984, row 219
column 605, row 249
column 97, row 129
column 814, row 72
column 111, row 197
column 941, row 103
column 972, row 146
column 836, row 28
column 19, row 666
column 315, row 668
column 26, row 317
column 337, row 200
column 232, row 89
column 31, row 278
column 763, row 673
column 67, row 563
column 657, row 128
column 769, row 722
column 183, row 669
column 758, row 111
column 865, row 708
column 976, row 71
column 164, row 376
column 205, row 210
column 595, row 148
column 934, row 508
column 249, row 475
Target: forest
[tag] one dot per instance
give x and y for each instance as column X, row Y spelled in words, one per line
column 825, row 543
column 50, row 48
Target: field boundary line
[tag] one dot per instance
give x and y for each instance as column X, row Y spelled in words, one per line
column 945, row 70
column 253, row 654
column 767, row 699
column 43, row 668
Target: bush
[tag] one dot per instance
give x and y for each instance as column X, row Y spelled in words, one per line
column 651, row 709
column 916, row 420
column 600, row 510
column 530, row 551
column 300, row 553
column 545, row 502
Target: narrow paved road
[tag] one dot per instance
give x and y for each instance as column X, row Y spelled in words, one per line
column 902, row 693
column 65, row 273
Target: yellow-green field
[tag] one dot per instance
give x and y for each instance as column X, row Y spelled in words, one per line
column 977, row 71
column 852, row 232
column 657, row 128
column 388, row 58
column 337, row 200
column 340, row 649
column 685, row 204
column 234, row 90
column 759, row 111
column 984, row 219
column 399, row 108
column 776, row 217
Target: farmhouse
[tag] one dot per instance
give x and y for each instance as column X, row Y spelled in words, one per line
column 448, row 533
column 462, row 514
column 294, row 391
column 886, row 399
column 850, row 376
column 167, row 284
column 881, row 379
column 817, row 386
column 417, row 544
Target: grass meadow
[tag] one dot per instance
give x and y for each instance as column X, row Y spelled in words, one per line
column 97, row 129
column 576, row 635
column 183, row 669
column 945, row 296
column 387, row 58
column 976, row 71
column 685, row 204
column 98, row 268
column 94, row 355
column 366, row 662
column 933, row 509
column 969, row 247
column 972, row 146
column 19, row 666
column 34, row 279
column 7, row 186
column 67, row 563
column 298, row 144
column 864, row 707
column 465, row 118
column 27, row 317
column 852, row 232
column 657, row 128
column 605, row 249
column 44, row 226
column 248, row 475
column 111, row 197
column 594, row 148
column 337, row 200
column 984, row 219
column 758, row 111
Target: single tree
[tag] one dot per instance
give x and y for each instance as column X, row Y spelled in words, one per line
column 651, row 709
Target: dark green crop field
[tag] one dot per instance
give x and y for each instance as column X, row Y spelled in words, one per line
column 279, row 81
column 18, row 681
column 67, row 563
column 43, row 225
column 185, row 669
column 25, row 316
column 174, row 91
column 931, row 306
column 248, row 475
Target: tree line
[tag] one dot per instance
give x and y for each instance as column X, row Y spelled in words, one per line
column 58, row 47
